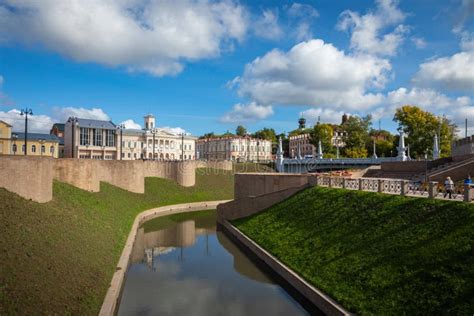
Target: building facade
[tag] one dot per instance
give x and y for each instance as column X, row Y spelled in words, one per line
column 463, row 146
column 44, row 145
column 92, row 139
column 5, row 138
column 58, row 130
column 301, row 145
column 234, row 148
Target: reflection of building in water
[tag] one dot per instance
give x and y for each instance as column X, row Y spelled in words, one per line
column 242, row 263
column 154, row 243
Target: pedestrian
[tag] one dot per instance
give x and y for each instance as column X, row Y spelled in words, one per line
column 448, row 187
column 468, row 180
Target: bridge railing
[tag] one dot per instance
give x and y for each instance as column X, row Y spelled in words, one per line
column 432, row 190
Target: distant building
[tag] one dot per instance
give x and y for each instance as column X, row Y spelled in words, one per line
column 234, row 148
column 463, row 146
column 301, row 144
column 91, row 139
column 45, row 145
column 5, row 138
column 58, row 130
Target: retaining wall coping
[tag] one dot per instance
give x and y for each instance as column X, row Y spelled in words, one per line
column 109, row 306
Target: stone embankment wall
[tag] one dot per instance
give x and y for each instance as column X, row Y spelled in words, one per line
column 254, row 192
column 32, row 177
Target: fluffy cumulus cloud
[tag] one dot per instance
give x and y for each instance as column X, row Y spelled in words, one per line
column 63, row 113
column 369, row 31
column 149, row 36
column 455, row 72
column 251, row 112
column 130, row 124
column 324, row 114
column 314, row 73
column 36, row 123
column 174, row 130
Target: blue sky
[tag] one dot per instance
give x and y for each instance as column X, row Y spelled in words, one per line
column 209, row 66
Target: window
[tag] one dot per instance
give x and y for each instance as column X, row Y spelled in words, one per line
column 110, row 138
column 129, row 155
column 14, row 148
column 33, row 148
column 43, row 149
column 97, row 137
column 84, row 136
column 123, row 155
column 51, row 150
column 22, row 148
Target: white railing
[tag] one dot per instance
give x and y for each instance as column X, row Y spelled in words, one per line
column 398, row 187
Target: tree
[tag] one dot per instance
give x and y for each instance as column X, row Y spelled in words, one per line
column 323, row 133
column 266, row 133
column 420, row 127
column 241, row 131
column 208, row 135
column 384, row 143
column 356, row 136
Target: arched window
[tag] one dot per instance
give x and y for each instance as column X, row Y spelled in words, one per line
column 33, row 148
column 14, row 148
column 43, row 149
column 51, row 150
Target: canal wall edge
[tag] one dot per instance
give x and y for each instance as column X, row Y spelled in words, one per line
column 322, row 301
column 110, row 303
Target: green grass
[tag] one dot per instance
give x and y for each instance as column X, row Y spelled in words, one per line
column 376, row 254
column 59, row 257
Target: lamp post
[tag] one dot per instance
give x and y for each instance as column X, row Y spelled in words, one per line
column 14, row 137
column 120, row 128
column 73, row 120
column 26, row 112
column 42, row 141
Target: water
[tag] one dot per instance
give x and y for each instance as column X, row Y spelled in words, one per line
column 182, row 266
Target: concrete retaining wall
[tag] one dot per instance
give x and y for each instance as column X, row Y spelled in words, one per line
column 214, row 164
column 32, row 177
column 29, row 177
column 255, row 184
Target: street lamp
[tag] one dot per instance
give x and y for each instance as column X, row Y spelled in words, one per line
column 120, row 128
column 73, row 120
column 26, row 112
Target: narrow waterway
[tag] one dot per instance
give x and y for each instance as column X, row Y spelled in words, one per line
column 182, row 266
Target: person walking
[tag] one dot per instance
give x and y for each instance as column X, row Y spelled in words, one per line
column 448, row 187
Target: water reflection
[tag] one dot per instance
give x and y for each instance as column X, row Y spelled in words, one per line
column 187, row 268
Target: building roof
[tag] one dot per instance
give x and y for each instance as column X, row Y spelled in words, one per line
column 5, row 123
column 37, row 136
column 59, row 126
column 96, row 124
column 133, row 132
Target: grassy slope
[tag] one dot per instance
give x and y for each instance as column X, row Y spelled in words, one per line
column 59, row 257
column 375, row 253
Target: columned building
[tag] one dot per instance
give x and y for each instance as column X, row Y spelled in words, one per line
column 234, row 148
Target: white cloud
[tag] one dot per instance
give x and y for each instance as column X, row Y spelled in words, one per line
column 463, row 14
column 63, row 113
column 325, row 114
column 174, row 130
column 302, row 16
column 314, row 73
column 36, row 123
column 156, row 37
column 130, row 124
column 251, row 112
column 454, row 73
column 267, row 25
column 367, row 30
column 419, row 42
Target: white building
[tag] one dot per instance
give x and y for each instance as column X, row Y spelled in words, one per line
column 234, row 148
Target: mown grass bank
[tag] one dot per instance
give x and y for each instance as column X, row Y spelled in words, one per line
column 59, row 257
column 374, row 253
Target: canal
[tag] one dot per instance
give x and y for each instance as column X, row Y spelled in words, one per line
column 181, row 265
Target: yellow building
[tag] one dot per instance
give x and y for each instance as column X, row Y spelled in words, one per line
column 44, row 145
column 5, row 138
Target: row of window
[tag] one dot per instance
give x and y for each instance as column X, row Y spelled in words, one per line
column 235, row 148
column 157, row 156
column 97, row 135
column 33, row 149
column 167, row 144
